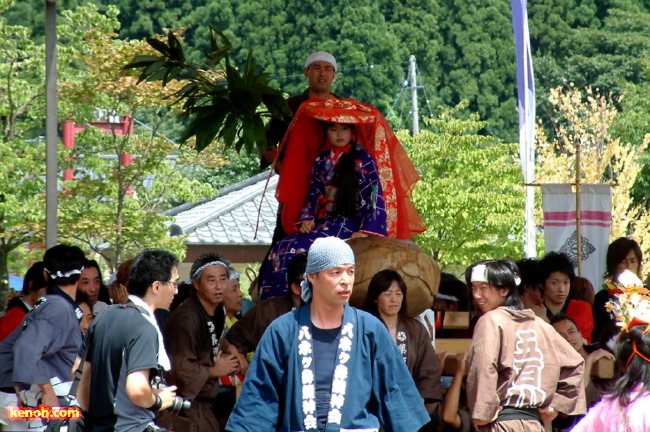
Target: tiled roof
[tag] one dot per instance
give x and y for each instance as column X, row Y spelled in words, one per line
column 231, row 217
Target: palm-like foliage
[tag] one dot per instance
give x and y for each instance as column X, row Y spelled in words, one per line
column 221, row 101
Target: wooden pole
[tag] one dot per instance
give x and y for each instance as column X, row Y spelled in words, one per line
column 578, row 237
column 51, row 121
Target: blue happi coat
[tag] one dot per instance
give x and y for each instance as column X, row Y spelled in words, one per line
column 371, row 384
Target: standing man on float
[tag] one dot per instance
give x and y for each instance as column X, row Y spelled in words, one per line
column 320, row 71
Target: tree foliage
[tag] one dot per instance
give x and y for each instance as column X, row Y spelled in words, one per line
column 465, row 50
column 585, row 117
column 21, row 152
column 224, row 105
column 107, row 203
column 115, row 204
column 470, row 194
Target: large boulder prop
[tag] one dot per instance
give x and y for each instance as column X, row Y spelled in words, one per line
column 420, row 272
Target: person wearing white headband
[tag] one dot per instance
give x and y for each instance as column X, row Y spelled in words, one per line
column 521, row 373
column 328, row 366
column 38, row 356
column 320, row 70
column 193, row 335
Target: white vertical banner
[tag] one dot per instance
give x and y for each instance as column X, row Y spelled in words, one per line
column 560, row 232
column 526, row 108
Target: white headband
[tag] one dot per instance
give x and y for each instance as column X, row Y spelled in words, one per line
column 58, row 274
column 204, row 266
column 321, row 56
column 234, row 276
column 479, row 274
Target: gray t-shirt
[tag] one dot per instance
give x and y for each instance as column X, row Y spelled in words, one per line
column 120, row 341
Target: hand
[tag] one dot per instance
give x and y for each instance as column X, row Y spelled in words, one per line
column 306, row 226
column 225, row 364
column 599, row 354
column 119, row 293
column 548, row 414
column 50, row 399
column 359, row 234
column 461, row 365
column 167, row 395
column 243, row 364
column 442, row 356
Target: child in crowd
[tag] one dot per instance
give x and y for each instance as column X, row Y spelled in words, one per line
column 455, row 414
column 626, row 408
column 583, row 290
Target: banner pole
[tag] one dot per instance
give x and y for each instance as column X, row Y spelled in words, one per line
column 578, row 236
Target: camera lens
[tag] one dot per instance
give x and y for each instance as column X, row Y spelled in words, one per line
column 180, row 406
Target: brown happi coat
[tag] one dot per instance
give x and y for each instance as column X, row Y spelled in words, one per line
column 517, row 360
column 246, row 333
column 414, row 343
column 190, row 343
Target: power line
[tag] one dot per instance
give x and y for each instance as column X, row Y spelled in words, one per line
column 300, row 75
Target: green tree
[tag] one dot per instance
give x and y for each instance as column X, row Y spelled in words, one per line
column 465, row 50
column 115, row 204
column 479, row 60
column 23, row 170
column 90, row 61
column 631, row 125
column 470, row 195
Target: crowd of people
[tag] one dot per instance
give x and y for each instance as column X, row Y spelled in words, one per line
column 149, row 352
column 307, row 360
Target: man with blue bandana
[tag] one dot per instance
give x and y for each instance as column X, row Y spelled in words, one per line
column 328, row 366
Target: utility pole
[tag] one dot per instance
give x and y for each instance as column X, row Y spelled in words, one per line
column 414, row 96
column 51, row 121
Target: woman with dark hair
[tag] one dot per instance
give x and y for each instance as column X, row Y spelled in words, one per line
column 34, row 286
column 626, row 409
column 521, row 373
column 344, row 200
column 386, row 299
column 622, row 254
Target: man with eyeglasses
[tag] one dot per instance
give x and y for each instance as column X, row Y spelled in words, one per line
column 125, row 351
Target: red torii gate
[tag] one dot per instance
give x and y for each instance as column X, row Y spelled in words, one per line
column 70, row 129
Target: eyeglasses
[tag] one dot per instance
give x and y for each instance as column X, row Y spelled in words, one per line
column 174, row 284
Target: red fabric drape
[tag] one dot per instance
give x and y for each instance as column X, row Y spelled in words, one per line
column 305, row 139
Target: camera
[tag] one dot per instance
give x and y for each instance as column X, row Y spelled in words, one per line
column 180, row 405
